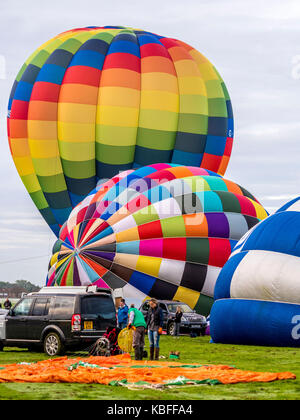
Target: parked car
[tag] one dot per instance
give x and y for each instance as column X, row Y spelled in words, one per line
column 58, row 318
column 191, row 322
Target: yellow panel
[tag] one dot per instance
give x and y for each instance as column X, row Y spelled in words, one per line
column 186, row 68
column 43, row 148
column 19, row 147
column 79, row 113
column 149, row 265
column 193, row 104
column 187, row 296
column 31, row 183
column 42, row 130
column 119, row 96
column 24, row 165
column 159, row 81
column 207, row 71
column 72, row 132
column 48, row 166
column 158, row 119
column 128, row 235
column 260, row 211
column 77, row 152
column 191, row 86
column 156, row 99
column 118, row 116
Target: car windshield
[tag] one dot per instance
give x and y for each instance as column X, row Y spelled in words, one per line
column 98, row 305
column 185, row 308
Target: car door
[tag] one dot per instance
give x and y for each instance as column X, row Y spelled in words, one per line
column 38, row 318
column 17, row 327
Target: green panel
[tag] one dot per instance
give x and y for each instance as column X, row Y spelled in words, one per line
column 79, row 170
column 52, row 184
column 230, row 203
column 118, row 136
column 69, row 279
column 72, row 45
column 146, row 215
column 204, row 304
column 197, row 250
column 39, row 199
column 20, row 74
column 40, row 59
column 173, row 227
column 156, row 139
column 217, row 107
column 114, row 155
column 193, row 123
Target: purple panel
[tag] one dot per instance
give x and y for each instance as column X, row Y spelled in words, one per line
column 218, row 226
column 106, row 255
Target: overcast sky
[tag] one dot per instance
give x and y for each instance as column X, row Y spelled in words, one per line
column 254, row 45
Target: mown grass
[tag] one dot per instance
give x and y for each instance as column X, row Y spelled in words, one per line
column 195, row 350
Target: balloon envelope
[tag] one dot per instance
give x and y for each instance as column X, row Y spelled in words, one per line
column 162, row 231
column 261, row 277
column 95, row 101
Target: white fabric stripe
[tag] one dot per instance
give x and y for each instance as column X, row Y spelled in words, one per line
column 266, row 275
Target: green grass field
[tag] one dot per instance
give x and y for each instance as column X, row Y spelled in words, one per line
column 196, row 350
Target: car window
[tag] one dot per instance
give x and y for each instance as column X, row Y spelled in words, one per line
column 146, row 306
column 98, row 305
column 63, row 307
column 23, row 307
column 163, row 307
column 40, row 307
column 185, row 308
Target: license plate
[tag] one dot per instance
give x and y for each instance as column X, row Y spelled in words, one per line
column 88, row 325
column 195, row 326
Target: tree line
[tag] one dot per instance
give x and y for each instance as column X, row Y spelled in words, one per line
column 15, row 290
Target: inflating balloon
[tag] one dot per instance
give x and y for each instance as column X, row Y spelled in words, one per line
column 92, row 102
column 162, row 231
column 259, row 287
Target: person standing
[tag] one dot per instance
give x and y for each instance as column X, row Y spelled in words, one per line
column 7, row 304
column 136, row 319
column 154, row 325
column 178, row 316
column 122, row 314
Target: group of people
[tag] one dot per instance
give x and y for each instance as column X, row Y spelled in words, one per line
column 152, row 323
column 7, row 304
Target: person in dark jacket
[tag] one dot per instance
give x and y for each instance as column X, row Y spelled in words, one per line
column 154, row 325
column 123, row 314
column 178, row 316
column 7, row 304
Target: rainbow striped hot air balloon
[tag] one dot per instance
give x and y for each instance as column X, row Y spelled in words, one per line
column 162, row 230
column 95, row 101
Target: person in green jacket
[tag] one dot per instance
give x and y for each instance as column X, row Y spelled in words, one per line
column 136, row 319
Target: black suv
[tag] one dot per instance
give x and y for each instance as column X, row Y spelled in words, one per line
column 58, row 318
column 191, row 322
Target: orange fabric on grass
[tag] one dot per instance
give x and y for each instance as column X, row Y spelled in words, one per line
column 56, row 370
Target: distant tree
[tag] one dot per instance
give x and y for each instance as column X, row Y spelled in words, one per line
column 16, row 289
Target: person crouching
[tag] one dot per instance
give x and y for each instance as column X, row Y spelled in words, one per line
column 136, row 319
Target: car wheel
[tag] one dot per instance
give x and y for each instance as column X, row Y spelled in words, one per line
column 53, row 345
column 171, row 328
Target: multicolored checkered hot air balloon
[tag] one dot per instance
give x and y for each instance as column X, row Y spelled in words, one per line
column 92, row 102
column 163, row 231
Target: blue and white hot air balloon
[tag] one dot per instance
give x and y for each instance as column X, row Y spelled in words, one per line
column 257, row 294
